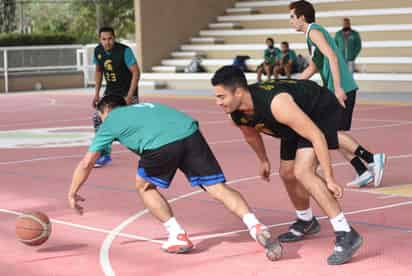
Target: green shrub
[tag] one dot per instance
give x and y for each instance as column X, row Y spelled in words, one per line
column 14, row 39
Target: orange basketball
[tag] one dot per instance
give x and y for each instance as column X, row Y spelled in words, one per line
column 33, row 228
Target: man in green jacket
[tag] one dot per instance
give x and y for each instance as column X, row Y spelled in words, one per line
column 349, row 42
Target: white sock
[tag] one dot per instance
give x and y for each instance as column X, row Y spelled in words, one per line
column 339, row 223
column 305, row 215
column 173, row 227
column 250, row 220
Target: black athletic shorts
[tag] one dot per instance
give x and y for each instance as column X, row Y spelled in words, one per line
column 327, row 116
column 191, row 155
column 346, row 119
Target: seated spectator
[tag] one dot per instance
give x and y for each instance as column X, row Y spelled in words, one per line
column 271, row 58
column 287, row 62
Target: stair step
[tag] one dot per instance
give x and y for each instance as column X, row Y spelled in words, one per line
column 225, row 25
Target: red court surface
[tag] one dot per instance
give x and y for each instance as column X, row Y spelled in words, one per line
column 116, row 236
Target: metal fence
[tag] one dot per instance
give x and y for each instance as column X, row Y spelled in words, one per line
column 60, row 58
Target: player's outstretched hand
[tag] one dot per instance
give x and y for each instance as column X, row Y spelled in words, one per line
column 74, row 203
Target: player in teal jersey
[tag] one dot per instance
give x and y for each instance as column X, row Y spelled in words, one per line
column 166, row 140
column 329, row 61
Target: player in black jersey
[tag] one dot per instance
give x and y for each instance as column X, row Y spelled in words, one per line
column 305, row 117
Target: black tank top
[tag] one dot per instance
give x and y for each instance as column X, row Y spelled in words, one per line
column 315, row 101
column 116, row 73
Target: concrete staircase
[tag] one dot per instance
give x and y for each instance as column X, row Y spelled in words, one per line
column 384, row 65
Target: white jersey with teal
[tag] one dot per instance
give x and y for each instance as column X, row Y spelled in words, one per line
column 347, row 82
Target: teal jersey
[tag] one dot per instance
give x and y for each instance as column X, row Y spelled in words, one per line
column 271, row 55
column 347, row 82
column 144, row 126
column 128, row 58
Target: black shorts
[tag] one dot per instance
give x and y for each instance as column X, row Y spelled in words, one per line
column 109, row 91
column 346, row 119
column 326, row 116
column 191, row 155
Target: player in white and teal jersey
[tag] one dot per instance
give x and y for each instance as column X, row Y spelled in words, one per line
column 335, row 74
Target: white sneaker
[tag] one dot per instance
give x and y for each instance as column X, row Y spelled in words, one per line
column 379, row 160
column 177, row 244
column 361, row 180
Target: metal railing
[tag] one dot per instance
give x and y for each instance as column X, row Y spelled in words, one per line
column 59, row 58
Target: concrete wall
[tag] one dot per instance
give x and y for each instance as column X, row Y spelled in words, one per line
column 27, row 81
column 163, row 25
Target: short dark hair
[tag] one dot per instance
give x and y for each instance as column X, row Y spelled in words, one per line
column 285, row 43
column 305, row 8
column 270, row 39
column 230, row 76
column 110, row 101
column 106, row 30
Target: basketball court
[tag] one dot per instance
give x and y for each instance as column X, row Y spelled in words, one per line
column 44, row 135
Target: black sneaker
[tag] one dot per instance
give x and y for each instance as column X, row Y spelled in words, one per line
column 346, row 245
column 299, row 230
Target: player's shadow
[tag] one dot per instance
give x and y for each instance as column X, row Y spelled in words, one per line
column 62, row 247
column 290, row 251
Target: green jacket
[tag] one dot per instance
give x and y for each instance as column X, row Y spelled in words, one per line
column 350, row 47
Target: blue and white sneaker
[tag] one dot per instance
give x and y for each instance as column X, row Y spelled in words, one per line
column 103, row 161
column 361, row 180
column 378, row 167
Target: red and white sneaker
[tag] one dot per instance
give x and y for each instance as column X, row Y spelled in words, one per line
column 262, row 235
column 178, row 244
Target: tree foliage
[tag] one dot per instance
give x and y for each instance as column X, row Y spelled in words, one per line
column 7, row 16
column 78, row 17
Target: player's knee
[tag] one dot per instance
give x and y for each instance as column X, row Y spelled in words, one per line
column 287, row 174
column 302, row 173
column 143, row 186
column 216, row 190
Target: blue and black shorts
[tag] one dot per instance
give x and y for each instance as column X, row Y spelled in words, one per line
column 191, row 155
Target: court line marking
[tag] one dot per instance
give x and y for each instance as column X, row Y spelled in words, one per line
column 106, row 245
column 386, row 103
column 112, row 234
column 88, row 228
column 46, row 158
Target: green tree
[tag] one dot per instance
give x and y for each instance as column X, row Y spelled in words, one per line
column 7, row 16
column 118, row 14
column 78, row 17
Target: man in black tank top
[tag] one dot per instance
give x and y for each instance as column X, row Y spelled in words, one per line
column 304, row 116
column 116, row 62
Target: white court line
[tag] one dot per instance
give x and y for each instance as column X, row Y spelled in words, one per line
column 48, row 122
column 105, row 248
column 382, row 126
column 216, row 235
column 88, row 228
column 104, row 252
column 387, row 196
column 211, row 143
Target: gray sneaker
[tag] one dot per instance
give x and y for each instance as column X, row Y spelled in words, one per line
column 361, row 180
column 346, row 245
column 300, row 229
column 274, row 249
